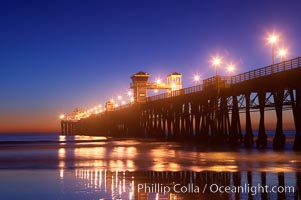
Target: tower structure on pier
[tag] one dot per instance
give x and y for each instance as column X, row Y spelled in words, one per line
column 140, row 85
column 110, row 106
column 174, row 80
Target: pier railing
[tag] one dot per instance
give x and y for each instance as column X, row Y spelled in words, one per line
column 222, row 81
column 265, row 71
column 174, row 93
column 226, row 80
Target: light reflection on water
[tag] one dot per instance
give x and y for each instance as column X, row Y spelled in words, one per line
column 113, row 169
column 121, row 155
column 118, row 167
column 124, row 184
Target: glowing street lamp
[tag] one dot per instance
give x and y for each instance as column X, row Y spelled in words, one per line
column 158, row 81
column 196, row 79
column 282, row 53
column 216, row 61
column 119, row 97
column 272, row 40
column 230, row 69
column 130, row 93
column 62, row 116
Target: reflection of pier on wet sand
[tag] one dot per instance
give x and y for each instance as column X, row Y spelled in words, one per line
column 155, row 165
column 116, row 170
column 184, row 184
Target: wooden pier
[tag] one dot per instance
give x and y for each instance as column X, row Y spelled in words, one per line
column 209, row 111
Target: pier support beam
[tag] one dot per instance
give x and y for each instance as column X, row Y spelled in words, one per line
column 224, row 124
column 204, row 122
column 262, row 137
column 248, row 139
column 160, row 128
column 220, row 125
column 176, row 124
column 197, row 118
column 235, row 123
column 187, row 114
column 279, row 139
column 152, row 125
column 296, row 106
column 62, row 128
column 66, row 128
column 182, row 129
column 149, row 122
column 213, row 122
column 155, row 120
column 169, row 122
column 164, row 122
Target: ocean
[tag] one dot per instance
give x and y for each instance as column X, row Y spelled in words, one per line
column 50, row 166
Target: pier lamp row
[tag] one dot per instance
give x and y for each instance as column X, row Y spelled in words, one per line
column 79, row 114
column 282, row 52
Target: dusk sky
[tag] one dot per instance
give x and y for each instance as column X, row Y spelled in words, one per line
column 59, row 55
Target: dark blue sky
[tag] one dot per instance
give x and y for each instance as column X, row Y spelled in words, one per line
column 58, row 55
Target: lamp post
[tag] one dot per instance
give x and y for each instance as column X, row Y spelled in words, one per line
column 273, row 39
column 216, row 61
